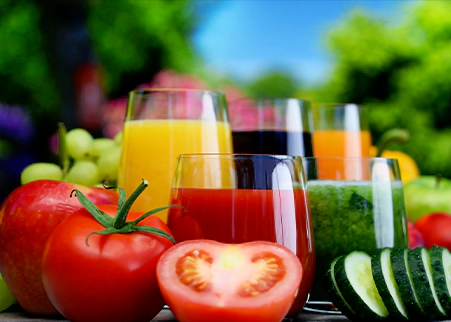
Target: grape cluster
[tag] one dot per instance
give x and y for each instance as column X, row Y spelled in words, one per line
column 84, row 160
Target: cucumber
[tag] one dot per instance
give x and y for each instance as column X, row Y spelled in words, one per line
column 355, row 281
column 441, row 273
column 386, row 285
column 401, row 272
column 334, row 294
column 421, row 272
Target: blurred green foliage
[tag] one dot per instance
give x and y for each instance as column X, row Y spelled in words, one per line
column 399, row 70
column 136, row 39
column 43, row 42
column 25, row 76
column 273, row 84
column 401, row 73
column 133, row 40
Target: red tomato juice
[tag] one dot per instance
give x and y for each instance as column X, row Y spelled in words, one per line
column 243, row 215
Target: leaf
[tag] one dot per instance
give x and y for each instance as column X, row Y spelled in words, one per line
column 357, row 202
column 100, row 216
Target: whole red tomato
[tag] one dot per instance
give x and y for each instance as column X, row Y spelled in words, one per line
column 414, row 236
column 435, row 229
column 27, row 217
column 204, row 280
column 109, row 276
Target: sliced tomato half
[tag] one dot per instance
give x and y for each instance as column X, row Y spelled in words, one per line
column 204, row 280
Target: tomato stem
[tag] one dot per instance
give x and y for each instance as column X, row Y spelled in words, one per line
column 438, row 177
column 119, row 224
column 124, row 208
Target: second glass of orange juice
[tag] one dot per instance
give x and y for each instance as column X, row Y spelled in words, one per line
column 340, row 130
column 161, row 124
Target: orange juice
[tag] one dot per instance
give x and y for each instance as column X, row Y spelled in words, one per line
column 340, row 143
column 150, row 150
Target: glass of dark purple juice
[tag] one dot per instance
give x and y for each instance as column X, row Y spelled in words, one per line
column 271, row 126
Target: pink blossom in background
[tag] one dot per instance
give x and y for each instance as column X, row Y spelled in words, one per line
column 232, row 92
column 54, row 143
column 113, row 111
column 240, row 111
column 113, row 114
column 171, row 79
column 248, row 114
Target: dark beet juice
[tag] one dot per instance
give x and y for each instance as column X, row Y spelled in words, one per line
column 273, row 142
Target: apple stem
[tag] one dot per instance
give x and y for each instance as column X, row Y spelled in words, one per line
column 399, row 136
column 62, row 149
column 438, row 177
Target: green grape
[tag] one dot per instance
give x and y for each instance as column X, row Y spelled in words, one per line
column 6, row 297
column 118, row 138
column 100, row 146
column 39, row 171
column 78, row 142
column 83, row 172
column 108, row 164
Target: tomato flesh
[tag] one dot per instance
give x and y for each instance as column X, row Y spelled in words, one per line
column 203, row 280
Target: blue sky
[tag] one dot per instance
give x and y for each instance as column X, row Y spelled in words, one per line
column 244, row 38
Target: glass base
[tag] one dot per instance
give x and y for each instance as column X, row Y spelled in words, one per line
column 322, row 307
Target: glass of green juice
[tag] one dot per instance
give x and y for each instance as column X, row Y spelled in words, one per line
column 353, row 212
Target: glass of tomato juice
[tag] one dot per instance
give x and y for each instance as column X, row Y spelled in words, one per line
column 237, row 198
column 159, row 125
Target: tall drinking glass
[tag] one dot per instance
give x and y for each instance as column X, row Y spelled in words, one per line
column 159, row 125
column 341, row 130
column 350, row 215
column 233, row 198
column 271, row 126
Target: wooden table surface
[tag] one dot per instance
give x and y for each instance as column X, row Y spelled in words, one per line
column 15, row 314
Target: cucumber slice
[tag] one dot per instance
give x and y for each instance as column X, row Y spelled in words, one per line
column 333, row 293
column 386, row 284
column 441, row 273
column 401, row 272
column 421, row 272
column 354, row 279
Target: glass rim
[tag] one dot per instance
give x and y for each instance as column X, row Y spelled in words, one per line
column 336, row 105
column 264, row 99
column 150, row 90
column 234, row 155
column 319, row 158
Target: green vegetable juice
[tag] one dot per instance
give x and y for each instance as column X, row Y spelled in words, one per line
column 354, row 215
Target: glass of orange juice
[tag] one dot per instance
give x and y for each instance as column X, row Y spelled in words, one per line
column 340, row 130
column 161, row 124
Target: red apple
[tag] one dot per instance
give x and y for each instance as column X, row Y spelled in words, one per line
column 415, row 237
column 27, row 217
column 436, row 229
